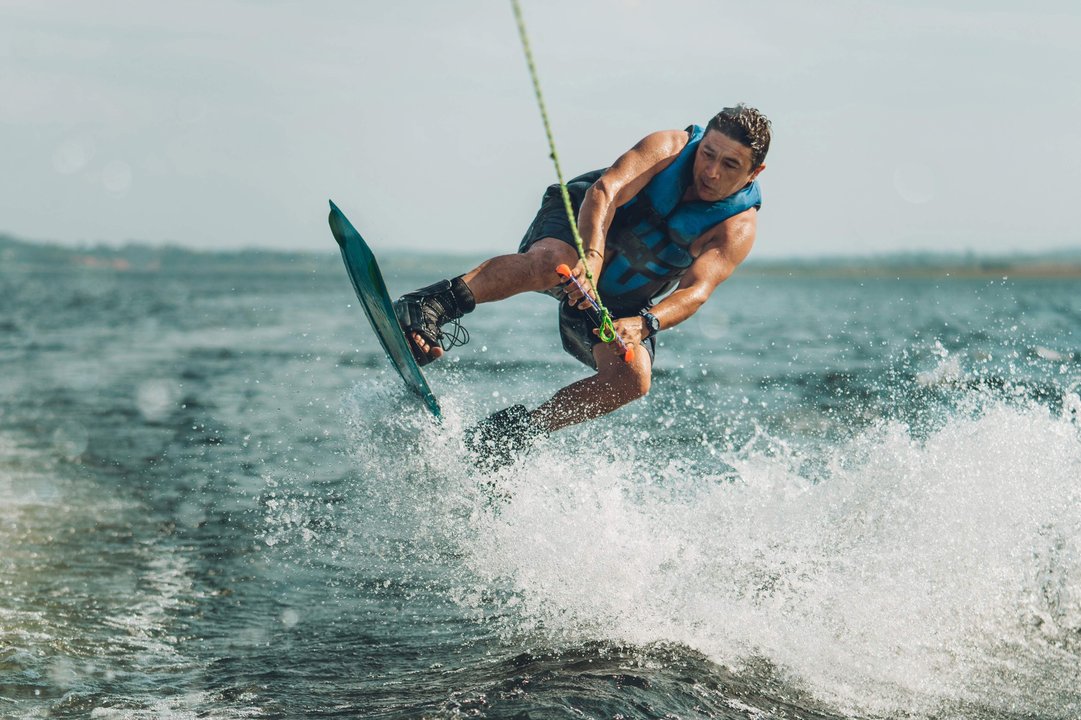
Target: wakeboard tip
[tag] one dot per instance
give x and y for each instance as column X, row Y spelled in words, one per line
column 337, row 223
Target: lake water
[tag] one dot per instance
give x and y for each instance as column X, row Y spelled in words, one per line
column 844, row 497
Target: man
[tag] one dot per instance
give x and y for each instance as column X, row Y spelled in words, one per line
column 678, row 210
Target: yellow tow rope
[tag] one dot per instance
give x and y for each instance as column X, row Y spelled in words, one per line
column 607, row 332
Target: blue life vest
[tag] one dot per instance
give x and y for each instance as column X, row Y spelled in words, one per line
column 648, row 247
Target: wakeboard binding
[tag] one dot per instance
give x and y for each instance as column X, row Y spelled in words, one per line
column 427, row 310
column 501, row 438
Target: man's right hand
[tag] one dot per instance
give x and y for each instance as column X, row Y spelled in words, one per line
column 575, row 297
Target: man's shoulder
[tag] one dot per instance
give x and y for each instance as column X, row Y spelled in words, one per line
column 740, row 227
column 672, row 141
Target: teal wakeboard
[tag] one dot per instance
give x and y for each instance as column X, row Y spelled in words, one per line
column 372, row 293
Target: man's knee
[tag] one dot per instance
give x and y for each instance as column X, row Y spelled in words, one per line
column 640, row 383
column 629, row 381
column 548, row 253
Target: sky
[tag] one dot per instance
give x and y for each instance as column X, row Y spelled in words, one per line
column 949, row 126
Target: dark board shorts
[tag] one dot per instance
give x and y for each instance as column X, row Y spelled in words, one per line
column 575, row 326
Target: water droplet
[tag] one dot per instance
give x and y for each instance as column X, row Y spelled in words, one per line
column 914, row 183
column 70, row 439
column 62, row 673
column 1049, row 354
column 156, row 399
column 116, row 176
column 72, row 156
column 190, row 514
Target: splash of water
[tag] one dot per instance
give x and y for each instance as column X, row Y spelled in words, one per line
column 916, row 576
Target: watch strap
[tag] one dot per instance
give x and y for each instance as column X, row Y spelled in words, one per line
column 653, row 325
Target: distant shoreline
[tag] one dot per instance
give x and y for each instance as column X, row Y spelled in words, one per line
column 20, row 255
column 1015, row 270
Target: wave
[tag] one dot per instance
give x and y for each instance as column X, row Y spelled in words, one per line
column 935, row 574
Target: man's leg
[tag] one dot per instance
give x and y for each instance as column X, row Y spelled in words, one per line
column 506, row 275
column 616, row 383
column 501, row 438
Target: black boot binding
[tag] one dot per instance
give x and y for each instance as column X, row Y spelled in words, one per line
column 426, row 310
column 500, row 438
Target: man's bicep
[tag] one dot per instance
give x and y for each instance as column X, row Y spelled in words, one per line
column 633, row 170
column 722, row 254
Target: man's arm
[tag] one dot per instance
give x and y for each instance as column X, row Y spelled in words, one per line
column 629, row 174
column 724, row 248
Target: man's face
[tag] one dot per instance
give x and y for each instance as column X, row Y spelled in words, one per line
column 721, row 166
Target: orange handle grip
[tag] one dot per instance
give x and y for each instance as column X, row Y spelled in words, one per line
column 565, row 272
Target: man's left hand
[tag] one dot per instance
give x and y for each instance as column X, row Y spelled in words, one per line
column 631, row 330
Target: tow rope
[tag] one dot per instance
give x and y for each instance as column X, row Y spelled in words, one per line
column 607, row 331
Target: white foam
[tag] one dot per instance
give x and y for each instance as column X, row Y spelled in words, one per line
column 917, row 574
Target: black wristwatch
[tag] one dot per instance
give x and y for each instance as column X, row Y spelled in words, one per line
column 653, row 325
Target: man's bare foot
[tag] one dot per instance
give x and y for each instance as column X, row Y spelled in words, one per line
column 422, row 351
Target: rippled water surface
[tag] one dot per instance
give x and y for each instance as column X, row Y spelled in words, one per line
column 843, row 498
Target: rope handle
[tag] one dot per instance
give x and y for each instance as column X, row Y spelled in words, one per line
column 607, row 330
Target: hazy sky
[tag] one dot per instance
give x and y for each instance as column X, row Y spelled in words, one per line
column 950, row 125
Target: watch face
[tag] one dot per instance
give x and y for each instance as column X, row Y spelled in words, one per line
column 652, row 323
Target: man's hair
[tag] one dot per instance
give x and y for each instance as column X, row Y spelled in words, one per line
column 745, row 125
